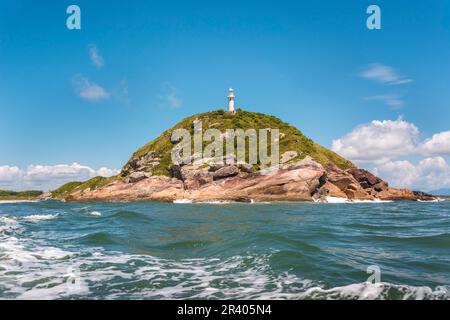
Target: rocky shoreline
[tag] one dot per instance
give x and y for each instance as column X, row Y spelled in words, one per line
column 304, row 180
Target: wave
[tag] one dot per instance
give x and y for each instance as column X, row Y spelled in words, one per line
column 182, row 201
column 40, row 217
column 17, row 201
column 345, row 200
column 434, row 200
column 33, row 271
column 377, row 291
column 98, row 239
column 8, row 224
column 129, row 215
column 95, row 214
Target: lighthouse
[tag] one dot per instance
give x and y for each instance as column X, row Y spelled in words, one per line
column 231, row 101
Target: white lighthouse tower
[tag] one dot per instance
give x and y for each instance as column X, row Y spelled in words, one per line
column 231, row 101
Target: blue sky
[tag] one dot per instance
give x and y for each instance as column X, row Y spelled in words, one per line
column 95, row 95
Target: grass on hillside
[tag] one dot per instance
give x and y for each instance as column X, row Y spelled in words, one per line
column 21, row 195
column 71, row 187
column 293, row 139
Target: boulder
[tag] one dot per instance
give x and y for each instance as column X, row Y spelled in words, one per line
column 288, row 156
column 226, row 172
column 137, row 176
column 213, row 167
column 307, row 162
column 245, row 167
column 198, row 179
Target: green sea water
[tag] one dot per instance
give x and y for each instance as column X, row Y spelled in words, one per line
column 55, row 250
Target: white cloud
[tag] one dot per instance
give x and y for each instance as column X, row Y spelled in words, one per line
column 89, row 90
column 8, row 173
column 439, row 144
column 95, row 56
column 392, row 100
column 170, row 97
column 383, row 74
column 429, row 174
column 46, row 178
column 106, row 172
column 378, row 141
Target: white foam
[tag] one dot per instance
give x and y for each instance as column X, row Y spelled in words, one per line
column 434, row 200
column 182, row 201
column 16, row 201
column 346, row 200
column 95, row 214
column 337, row 200
column 216, row 202
column 8, row 224
column 40, row 217
column 377, row 291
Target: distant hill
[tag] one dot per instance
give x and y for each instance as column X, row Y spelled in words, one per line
column 22, row 195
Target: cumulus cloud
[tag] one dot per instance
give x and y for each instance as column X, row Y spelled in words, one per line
column 89, row 90
column 8, row 173
column 429, row 174
column 44, row 177
column 95, row 56
column 378, row 141
column 393, row 100
column 383, row 74
column 383, row 147
column 439, row 144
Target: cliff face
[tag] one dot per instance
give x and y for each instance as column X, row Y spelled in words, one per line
column 308, row 172
column 305, row 180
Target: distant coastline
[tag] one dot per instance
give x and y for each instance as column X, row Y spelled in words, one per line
column 29, row 195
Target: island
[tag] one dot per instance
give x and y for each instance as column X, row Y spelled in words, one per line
column 307, row 171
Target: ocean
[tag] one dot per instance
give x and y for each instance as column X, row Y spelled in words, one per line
column 101, row 250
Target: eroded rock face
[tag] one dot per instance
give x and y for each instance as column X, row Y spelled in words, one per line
column 137, row 176
column 304, row 180
column 145, row 163
column 347, row 183
column 366, row 179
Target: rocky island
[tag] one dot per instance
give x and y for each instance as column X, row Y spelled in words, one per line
column 307, row 172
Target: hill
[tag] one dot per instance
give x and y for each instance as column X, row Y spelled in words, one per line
column 307, row 172
column 291, row 139
column 154, row 158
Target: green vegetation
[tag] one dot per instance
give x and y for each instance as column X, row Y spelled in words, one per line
column 76, row 186
column 22, row 195
column 291, row 138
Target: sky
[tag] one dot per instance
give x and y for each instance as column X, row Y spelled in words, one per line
column 77, row 103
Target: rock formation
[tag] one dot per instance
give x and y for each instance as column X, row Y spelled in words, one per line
column 304, row 180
